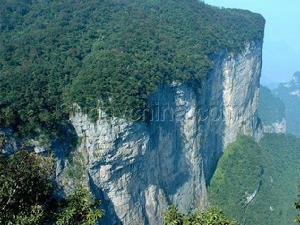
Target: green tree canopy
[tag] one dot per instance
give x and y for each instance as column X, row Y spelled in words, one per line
column 106, row 53
column 209, row 217
column 26, row 195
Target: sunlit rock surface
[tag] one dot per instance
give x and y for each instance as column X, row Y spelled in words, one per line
column 139, row 168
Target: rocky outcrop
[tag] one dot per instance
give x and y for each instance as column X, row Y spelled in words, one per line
column 278, row 127
column 139, row 168
column 289, row 93
column 8, row 144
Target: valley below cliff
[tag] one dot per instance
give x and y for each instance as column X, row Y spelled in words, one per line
column 145, row 104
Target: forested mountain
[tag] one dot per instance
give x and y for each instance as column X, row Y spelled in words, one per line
column 271, row 109
column 258, row 183
column 105, row 53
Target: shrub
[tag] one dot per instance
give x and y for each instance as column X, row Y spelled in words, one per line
column 26, row 194
column 209, row 217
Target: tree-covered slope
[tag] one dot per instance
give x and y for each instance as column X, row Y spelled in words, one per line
column 258, row 183
column 270, row 109
column 105, row 53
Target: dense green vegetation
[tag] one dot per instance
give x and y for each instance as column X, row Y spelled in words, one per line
column 271, row 109
column 27, row 195
column 270, row 168
column 209, row 217
column 105, row 53
column 238, row 175
column 78, row 209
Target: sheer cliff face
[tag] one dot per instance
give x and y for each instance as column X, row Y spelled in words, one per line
column 138, row 168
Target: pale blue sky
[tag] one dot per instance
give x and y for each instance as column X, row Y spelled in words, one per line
column 282, row 36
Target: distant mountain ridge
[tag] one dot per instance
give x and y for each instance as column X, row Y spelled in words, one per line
column 279, row 109
column 289, row 93
column 271, row 111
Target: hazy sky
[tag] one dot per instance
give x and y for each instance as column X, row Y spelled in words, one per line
column 282, row 36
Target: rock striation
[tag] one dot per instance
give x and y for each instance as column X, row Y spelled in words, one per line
column 138, row 168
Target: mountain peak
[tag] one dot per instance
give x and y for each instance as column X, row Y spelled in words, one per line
column 296, row 77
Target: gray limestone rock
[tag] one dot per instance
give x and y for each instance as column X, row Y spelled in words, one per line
column 139, row 168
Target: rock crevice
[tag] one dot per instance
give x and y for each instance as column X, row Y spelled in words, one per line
column 140, row 168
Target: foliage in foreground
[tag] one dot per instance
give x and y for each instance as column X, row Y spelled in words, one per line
column 209, row 217
column 79, row 208
column 26, row 195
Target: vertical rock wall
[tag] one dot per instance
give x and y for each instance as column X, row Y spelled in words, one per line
column 138, row 168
